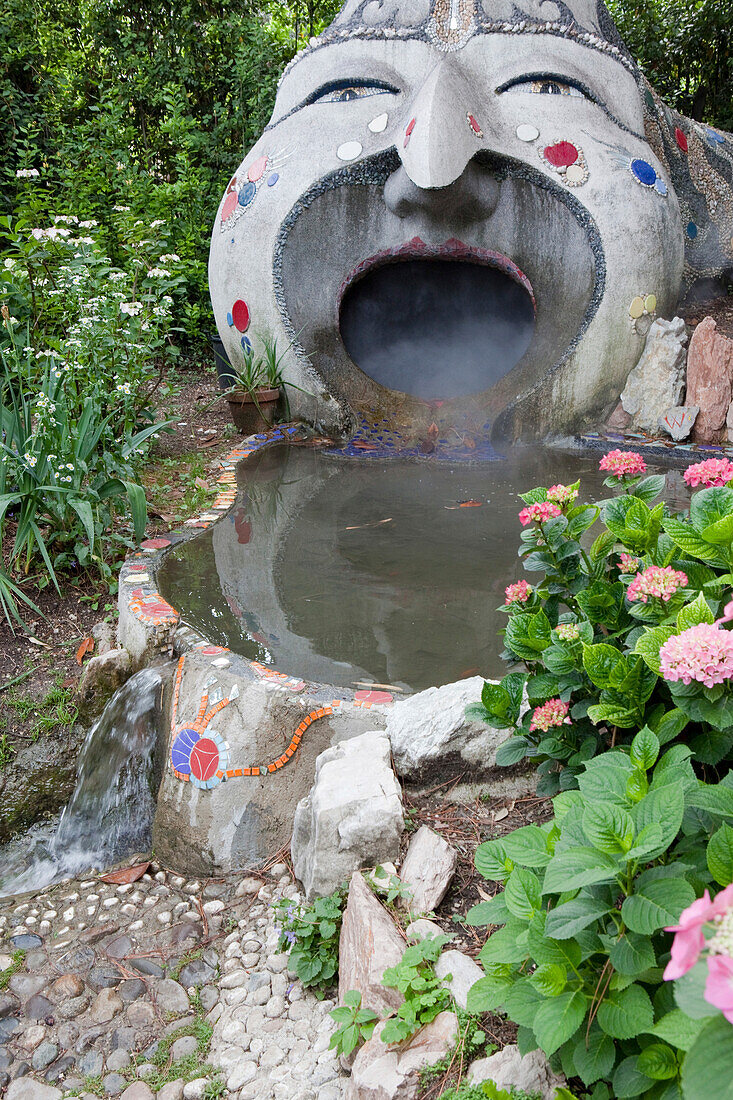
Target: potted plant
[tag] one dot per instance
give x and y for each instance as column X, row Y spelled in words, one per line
column 257, row 387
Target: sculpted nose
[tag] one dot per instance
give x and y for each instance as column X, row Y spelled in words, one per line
column 442, row 135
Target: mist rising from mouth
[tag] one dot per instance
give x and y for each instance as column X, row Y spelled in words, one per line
column 436, row 329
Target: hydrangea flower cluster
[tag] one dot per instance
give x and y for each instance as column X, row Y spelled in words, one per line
column 517, row 593
column 540, row 513
column 627, row 563
column 623, row 463
column 703, row 653
column 658, row 581
column 561, row 494
column 551, row 714
column 567, row 632
column 689, row 942
column 712, row 472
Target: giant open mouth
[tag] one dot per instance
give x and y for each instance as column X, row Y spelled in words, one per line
column 438, row 323
column 396, row 311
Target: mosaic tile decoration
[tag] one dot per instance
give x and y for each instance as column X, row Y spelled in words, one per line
column 204, row 761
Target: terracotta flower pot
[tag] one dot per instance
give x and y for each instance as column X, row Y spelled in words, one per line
column 247, row 416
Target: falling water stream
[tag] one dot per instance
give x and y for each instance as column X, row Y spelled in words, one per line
column 110, row 813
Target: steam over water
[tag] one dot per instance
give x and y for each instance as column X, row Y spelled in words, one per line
column 110, row 813
column 436, row 328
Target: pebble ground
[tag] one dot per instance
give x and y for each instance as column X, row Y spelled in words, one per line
column 166, row 986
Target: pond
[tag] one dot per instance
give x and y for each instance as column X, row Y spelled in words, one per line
column 369, row 571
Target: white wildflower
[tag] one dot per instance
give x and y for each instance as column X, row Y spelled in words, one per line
column 27, row 174
column 158, row 273
column 131, row 308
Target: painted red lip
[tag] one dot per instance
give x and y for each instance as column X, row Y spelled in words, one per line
column 452, row 249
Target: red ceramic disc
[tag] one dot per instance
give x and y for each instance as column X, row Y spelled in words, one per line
column 204, row 758
column 681, row 139
column 257, row 170
column 561, row 155
column 373, row 696
column 240, row 315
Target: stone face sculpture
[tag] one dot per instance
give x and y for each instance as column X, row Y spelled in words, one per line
column 483, row 201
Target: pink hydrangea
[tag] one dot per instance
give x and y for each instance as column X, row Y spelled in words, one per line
column 689, row 938
column 658, row 581
column 714, row 471
column 719, row 985
column 518, row 593
column 568, row 632
column 628, row 563
column 562, row 494
column 552, row 713
column 539, row 512
column 703, row 653
column 623, row 463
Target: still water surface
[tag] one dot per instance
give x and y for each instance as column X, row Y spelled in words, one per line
column 348, row 571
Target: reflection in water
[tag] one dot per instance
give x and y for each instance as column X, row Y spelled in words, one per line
column 343, row 570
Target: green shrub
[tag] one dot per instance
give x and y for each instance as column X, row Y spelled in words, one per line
column 589, row 635
column 310, row 933
column 424, row 993
column 587, row 896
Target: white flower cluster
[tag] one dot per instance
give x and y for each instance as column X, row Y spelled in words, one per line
column 722, row 941
column 124, row 387
column 131, row 308
column 170, row 258
column 48, row 353
column 156, row 223
column 122, row 209
column 30, row 459
column 65, row 219
column 53, row 233
column 89, row 224
column 159, row 273
column 27, row 174
column 44, row 402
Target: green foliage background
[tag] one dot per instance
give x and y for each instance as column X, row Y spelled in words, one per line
column 151, row 104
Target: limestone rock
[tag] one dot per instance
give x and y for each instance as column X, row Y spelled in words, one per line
column 105, row 1007
column 430, row 734
column 710, row 380
column 138, row 1090
column 101, row 678
column 656, row 382
column 422, row 929
column 464, row 973
column 427, row 870
column 381, row 1073
column 351, row 818
column 369, row 944
column 25, row 1088
column 679, row 422
column 507, row 1068
column 104, row 637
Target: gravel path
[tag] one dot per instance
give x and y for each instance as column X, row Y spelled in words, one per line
column 164, row 985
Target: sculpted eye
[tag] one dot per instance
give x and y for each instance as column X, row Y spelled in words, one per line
column 343, row 91
column 544, row 85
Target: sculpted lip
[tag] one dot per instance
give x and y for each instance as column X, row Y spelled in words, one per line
column 452, row 249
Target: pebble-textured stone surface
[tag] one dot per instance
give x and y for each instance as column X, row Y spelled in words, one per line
column 109, row 970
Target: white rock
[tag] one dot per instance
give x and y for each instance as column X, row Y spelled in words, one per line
column 430, row 733
column 427, row 870
column 240, row 1075
column 656, row 382
column 369, row 944
column 382, row 1073
column 464, row 973
column 352, row 816
column 679, row 422
column 507, row 1068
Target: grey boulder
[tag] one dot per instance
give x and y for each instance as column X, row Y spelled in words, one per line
column 509, row 1069
column 427, row 870
column 352, row 817
column 656, row 382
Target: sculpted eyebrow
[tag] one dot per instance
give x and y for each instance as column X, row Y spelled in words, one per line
column 349, row 82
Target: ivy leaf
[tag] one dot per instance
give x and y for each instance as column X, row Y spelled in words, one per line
column 720, row 855
column 558, row 1019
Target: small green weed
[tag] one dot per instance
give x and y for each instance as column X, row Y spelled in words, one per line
column 184, row 960
column 356, row 1024
column 18, row 958
column 6, row 751
column 311, row 935
column 471, row 1041
column 52, row 712
column 192, row 1066
column 424, row 993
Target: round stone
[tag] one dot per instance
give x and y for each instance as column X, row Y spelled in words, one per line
column 257, row 170
column 692, row 230
column 379, row 124
column 650, row 303
column 349, row 150
column 240, row 315
column 272, row 179
column 561, row 155
column 229, row 205
column 527, row 132
column 636, row 309
column 643, row 172
column 575, row 174
column 113, row 1084
column 660, row 186
column 247, row 194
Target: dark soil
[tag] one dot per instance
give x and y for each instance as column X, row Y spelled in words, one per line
column 720, row 309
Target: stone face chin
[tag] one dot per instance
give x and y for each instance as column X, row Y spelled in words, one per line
column 412, row 147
